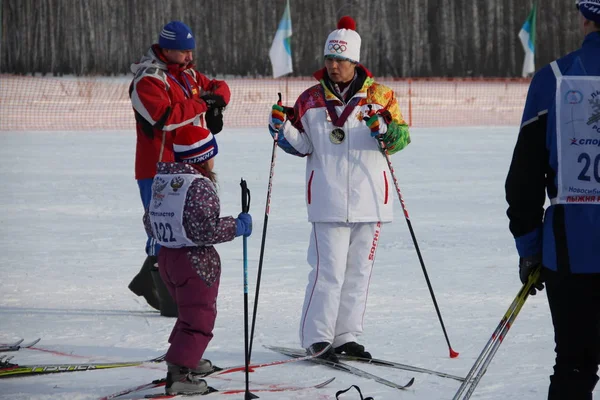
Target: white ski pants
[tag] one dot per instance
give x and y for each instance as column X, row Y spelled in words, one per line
column 341, row 256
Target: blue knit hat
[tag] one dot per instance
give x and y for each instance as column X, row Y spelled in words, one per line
column 176, row 36
column 590, row 9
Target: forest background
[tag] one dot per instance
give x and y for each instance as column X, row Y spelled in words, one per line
column 400, row 38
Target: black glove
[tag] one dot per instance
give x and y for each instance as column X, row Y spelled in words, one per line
column 214, row 120
column 526, row 267
column 213, row 101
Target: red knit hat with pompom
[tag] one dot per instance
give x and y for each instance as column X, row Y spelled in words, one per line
column 194, row 145
column 344, row 42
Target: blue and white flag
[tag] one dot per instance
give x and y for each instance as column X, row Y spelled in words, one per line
column 281, row 51
column 527, row 36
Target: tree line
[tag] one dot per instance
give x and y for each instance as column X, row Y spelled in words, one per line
column 400, row 38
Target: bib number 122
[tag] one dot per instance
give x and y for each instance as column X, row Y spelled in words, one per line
column 164, row 232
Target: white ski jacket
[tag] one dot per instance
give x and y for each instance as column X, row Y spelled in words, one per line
column 347, row 176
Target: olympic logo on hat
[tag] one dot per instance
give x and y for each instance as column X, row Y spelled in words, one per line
column 338, row 48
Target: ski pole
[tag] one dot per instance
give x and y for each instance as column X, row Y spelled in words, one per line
column 484, row 359
column 453, row 354
column 264, row 236
column 493, row 351
column 245, row 209
column 515, row 303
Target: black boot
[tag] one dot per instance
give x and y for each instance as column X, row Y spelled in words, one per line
column 353, row 349
column 329, row 355
column 572, row 385
column 143, row 285
column 168, row 308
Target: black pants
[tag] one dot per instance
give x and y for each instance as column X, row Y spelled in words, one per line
column 575, row 307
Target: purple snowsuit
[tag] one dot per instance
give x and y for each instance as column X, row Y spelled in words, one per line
column 192, row 274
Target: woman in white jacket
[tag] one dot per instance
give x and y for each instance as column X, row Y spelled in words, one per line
column 342, row 125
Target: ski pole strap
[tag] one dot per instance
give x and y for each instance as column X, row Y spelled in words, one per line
column 245, row 196
column 357, row 389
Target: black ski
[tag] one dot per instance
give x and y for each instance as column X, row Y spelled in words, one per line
column 342, row 367
column 385, row 363
column 10, row 370
column 393, row 364
column 15, row 346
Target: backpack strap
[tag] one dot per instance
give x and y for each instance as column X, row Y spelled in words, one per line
column 357, row 389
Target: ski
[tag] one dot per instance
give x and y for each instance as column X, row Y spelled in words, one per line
column 18, row 342
column 154, row 384
column 395, row 365
column 240, row 391
column 215, row 372
column 342, row 367
column 382, row 363
column 4, row 347
column 9, row 370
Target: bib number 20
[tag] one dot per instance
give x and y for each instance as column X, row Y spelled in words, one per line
column 584, row 175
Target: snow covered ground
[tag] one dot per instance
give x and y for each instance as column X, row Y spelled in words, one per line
column 71, row 239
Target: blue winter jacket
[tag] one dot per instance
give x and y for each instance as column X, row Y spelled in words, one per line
column 567, row 236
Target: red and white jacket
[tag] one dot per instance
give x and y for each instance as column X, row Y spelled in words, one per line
column 165, row 97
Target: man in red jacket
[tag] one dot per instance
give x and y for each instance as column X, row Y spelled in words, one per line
column 167, row 93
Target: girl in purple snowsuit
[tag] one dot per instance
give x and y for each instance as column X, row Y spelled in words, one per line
column 184, row 217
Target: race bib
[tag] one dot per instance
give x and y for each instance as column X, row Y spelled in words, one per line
column 166, row 209
column 578, row 139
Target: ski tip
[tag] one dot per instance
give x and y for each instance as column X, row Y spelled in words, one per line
column 453, row 354
column 410, row 383
column 323, row 384
column 158, row 359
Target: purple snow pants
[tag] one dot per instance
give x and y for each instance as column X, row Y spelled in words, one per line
column 196, row 303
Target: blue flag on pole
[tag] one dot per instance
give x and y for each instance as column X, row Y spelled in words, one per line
column 527, row 36
column 281, row 51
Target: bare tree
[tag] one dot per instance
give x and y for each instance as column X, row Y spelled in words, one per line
column 400, row 38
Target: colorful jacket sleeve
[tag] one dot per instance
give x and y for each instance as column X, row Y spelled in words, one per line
column 151, row 100
column 147, row 225
column 292, row 137
column 201, row 216
column 397, row 136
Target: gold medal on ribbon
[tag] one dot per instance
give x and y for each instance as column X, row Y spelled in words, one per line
column 337, row 136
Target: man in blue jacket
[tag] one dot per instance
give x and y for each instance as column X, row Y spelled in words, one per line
column 558, row 153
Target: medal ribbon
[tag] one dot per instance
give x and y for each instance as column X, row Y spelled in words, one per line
column 187, row 90
column 340, row 120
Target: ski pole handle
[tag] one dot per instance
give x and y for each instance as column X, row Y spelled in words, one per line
column 375, row 129
column 288, row 111
column 370, row 113
column 245, row 196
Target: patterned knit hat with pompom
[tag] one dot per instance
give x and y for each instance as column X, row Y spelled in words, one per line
column 344, row 42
